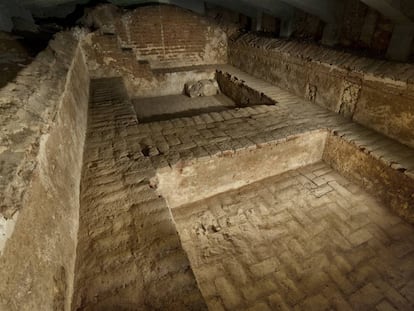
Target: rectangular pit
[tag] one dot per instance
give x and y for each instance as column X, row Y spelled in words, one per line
column 233, row 94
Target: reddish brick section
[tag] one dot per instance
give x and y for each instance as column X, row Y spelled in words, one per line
column 164, row 35
column 106, row 51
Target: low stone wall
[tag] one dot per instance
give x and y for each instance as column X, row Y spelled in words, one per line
column 390, row 185
column 377, row 94
column 202, row 178
column 239, row 92
column 43, row 123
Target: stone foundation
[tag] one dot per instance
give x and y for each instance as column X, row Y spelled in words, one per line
column 392, row 186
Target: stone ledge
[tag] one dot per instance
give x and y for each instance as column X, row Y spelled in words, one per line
column 376, row 94
column 399, row 75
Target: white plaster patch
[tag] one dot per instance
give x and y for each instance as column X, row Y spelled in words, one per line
column 6, row 230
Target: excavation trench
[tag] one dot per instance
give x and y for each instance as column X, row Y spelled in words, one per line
column 260, row 219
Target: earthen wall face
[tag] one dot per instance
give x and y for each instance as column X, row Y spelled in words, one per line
column 43, row 130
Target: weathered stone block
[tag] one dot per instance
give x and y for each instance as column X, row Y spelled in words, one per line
column 349, row 98
column 202, row 88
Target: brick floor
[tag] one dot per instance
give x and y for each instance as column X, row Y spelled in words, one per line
column 304, row 240
column 128, row 249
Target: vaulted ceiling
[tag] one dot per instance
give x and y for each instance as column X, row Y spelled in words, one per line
column 400, row 12
column 325, row 9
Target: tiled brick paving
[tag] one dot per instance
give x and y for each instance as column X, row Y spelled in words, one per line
column 128, row 248
column 304, row 240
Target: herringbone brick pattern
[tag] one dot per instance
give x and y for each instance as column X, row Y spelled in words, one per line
column 304, row 240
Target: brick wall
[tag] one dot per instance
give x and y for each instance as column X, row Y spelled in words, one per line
column 270, row 24
column 377, row 94
column 163, row 35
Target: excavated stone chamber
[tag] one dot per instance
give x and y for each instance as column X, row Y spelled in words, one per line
column 281, row 206
column 252, row 199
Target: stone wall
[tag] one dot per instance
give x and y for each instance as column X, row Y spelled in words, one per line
column 43, row 121
column 239, row 92
column 361, row 28
column 391, row 186
column 197, row 180
column 377, row 94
